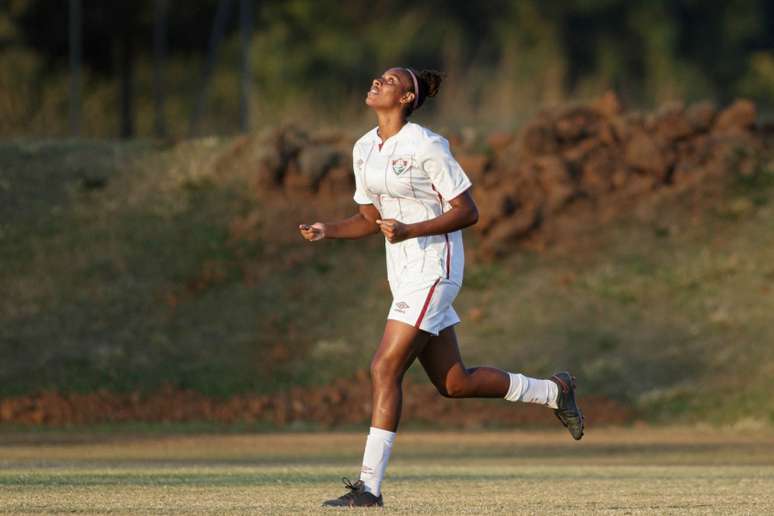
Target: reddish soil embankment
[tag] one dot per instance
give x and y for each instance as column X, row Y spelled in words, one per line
column 598, row 158
column 346, row 401
column 568, row 160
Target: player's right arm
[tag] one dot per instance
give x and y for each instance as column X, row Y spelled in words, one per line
column 359, row 225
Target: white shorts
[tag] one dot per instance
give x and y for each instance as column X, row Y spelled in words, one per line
column 425, row 304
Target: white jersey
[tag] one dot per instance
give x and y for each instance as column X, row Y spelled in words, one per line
column 411, row 177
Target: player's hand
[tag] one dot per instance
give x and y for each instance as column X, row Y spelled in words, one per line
column 313, row 232
column 394, row 230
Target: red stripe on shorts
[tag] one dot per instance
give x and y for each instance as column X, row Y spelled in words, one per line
column 427, row 303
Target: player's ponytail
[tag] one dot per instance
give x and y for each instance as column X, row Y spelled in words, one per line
column 430, row 82
column 427, row 83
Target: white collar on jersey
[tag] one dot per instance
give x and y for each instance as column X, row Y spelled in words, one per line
column 403, row 132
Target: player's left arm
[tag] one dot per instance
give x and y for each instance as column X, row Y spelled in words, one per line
column 463, row 213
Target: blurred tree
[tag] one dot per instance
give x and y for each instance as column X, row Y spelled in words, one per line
column 246, row 29
column 216, row 35
column 159, row 58
column 75, row 26
column 115, row 35
column 312, row 60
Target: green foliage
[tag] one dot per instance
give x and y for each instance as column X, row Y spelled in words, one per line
column 313, row 61
column 758, row 81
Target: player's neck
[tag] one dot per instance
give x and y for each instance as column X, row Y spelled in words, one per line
column 389, row 124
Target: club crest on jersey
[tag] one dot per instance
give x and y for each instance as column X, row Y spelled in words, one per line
column 400, row 165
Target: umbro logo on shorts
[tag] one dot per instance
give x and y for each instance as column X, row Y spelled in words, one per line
column 401, row 307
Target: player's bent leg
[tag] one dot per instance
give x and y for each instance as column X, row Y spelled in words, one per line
column 443, row 364
column 442, row 361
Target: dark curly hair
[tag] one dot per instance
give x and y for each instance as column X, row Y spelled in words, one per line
column 428, row 84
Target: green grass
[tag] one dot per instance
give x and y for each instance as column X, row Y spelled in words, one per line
column 121, row 270
column 630, row 471
column 138, row 282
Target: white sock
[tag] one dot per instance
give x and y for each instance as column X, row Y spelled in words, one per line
column 532, row 390
column 377, row 453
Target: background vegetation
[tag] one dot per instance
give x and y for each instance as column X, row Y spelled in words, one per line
column 311, row 61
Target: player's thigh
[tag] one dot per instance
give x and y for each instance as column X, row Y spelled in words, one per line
column 400, row 345
column 441, row 359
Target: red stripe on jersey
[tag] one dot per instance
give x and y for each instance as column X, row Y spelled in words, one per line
column 448, row 255
column 427, row 303
column 446, row 235
column 440, row 199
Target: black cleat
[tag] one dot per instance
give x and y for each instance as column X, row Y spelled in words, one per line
column 568, row 412
column 357, row 497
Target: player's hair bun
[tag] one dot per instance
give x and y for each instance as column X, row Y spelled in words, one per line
column 432, row 82
column 428, row 83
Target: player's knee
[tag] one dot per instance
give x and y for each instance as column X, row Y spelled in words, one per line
column 383, row 372
column 443, row 391
column 454, row 389
column 457, row 390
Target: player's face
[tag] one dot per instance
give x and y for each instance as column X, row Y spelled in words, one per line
column 391, row 90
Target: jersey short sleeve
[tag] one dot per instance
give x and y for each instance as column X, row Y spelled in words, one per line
column 444, row 172
column 357, row 167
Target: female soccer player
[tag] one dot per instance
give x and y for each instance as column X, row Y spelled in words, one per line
column 410, row 188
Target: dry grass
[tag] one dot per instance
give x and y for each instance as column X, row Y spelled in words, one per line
column 665, row 471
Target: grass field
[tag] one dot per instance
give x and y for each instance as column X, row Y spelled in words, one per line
column 127, row 267
column 621, row 471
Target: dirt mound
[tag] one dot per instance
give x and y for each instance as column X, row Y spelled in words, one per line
column 346, row 401
column 607, row 159
column 596, row 155
column 292, row 161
